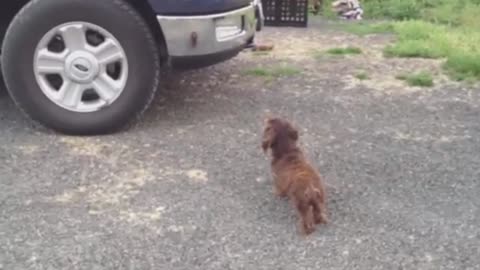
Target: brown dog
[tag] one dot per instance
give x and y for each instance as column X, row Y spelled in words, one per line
column 292, row 174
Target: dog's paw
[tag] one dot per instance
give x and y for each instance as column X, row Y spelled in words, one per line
column 306, row 228
column 322, row 219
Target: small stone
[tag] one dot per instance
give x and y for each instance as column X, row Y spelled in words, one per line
column 260, row 180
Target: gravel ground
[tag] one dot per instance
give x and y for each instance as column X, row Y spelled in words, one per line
column 189, row 188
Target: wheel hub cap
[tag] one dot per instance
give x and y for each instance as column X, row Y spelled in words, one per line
column 81, row 67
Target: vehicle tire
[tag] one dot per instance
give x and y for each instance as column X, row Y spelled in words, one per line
column 81, row 67
column 2, row 84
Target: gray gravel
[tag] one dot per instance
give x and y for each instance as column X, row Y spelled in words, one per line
column 189, row 188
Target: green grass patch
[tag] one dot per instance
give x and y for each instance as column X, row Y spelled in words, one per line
column 393, row 9
column 362, row 76
column 285, row 71
column 458, row 13
column 415, row 48
column 419, row 39
column 365, row 28
column 282, row 71
column 448, row 12
column 422, row 79
column 452, row 12
column 463, row 66
column 259, row 72
column 344, row 51
column 260, row 53
column 433, row 29
column 458, row 45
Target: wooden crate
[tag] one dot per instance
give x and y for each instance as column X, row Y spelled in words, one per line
column 286, row 12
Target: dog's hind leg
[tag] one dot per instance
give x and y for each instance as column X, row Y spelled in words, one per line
column 306, row 216
column 319, row 209
column 319, row 213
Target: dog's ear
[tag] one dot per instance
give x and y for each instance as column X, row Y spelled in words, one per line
column 268, row 118
column 265, row 146
column 293, row 134
column 268, row 138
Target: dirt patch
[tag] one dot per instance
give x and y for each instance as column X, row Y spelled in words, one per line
column 306, row 48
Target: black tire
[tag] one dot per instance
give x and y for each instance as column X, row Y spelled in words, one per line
column 2, row 84
column 117, row 17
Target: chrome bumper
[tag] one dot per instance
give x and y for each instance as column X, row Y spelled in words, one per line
column 208, row 34
column 260, row 16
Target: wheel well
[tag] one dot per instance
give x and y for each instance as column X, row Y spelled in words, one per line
column 8, row 11
column 11, row 8
column 144, row 8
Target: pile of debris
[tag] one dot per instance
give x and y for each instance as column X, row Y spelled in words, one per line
column 316, row 6
column 348, row 9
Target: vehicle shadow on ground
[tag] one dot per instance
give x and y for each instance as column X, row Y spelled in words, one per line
column 192, row 97
column 182, row 98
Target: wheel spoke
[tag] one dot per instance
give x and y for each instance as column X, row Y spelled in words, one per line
column 70, row 94
column 50, row 62
column 106, row 87
column 108, row 52
column 74, row 37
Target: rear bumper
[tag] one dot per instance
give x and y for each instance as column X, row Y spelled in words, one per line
column 259, row 15
column 223, row 34
column 201, row 61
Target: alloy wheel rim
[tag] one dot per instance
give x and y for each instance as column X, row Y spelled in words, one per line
column 81, row 67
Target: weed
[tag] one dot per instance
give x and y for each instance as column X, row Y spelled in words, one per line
column 362, row 76
column 282, row 71
column 362, row 28
column 422, row 79
column 427, row 40
column 344, row 51
column 414, row 48
column 259, row 72
column 285, row 71
column 259, row 53
column 463, row 66
column 428, row 29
